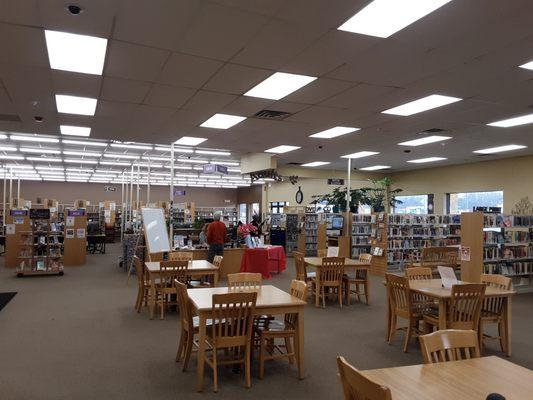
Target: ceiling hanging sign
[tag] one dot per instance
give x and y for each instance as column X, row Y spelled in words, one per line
column 215, row 169
column 335, row 181
column 110, row 189
column 179, row 192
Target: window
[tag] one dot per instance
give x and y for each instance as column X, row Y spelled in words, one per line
column 416, row 204
column 242, row 213
column 465, row 202
column 276, row 207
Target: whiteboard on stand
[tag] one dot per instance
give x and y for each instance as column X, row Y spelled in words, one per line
column 155, row 230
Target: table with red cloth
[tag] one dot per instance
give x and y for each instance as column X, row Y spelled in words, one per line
column 264, row 260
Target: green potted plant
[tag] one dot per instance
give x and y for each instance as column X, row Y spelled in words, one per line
column 337, row 199
column 380, row 196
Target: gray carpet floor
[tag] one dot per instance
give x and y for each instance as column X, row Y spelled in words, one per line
column 78, row 337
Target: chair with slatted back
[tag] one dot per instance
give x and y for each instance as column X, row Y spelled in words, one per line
column 245, row 281
column 143, row 284
column 360, row 281
column 232, row 318
column 180, row 256
column 449, row 345
column 169, row 272
column 403, row 305
column 492, row 311
column 418, row 273
column 439, row 255
column 464, row 310
column 301, row 270
column 357, row 386
column 280, row 330
column 322, row 253
column 330, row 277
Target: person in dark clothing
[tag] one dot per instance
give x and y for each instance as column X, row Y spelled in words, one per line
column 216, row 237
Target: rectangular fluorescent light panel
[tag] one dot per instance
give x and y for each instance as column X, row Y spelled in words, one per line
column 2, row 157
column 75, row 105
column 75, row 53
column 44, row 159
column 81, row 153
column 508, row 123
column 316, row 164
column 282, row 149
column 71, row 130
column 361, row 154
column 334, row 132
column 423, row 104
column 126, row 156
column 222, row 121
column 39, row 151
column 215, row 153
column 132, row 146
column 7, row 148
column 424, row 140
column 427, row 160
column 80, row 161
column 528, row 65
column 33, row 139
column 190, row 141
column 383, row 18
column 279, row 85
column 500, row 149
column 375, row 168
column 117, row 163
column 84, row 143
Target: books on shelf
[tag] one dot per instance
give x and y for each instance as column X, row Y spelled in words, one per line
column 362, row 233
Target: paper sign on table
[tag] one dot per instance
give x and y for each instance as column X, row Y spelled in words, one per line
column 447, row 276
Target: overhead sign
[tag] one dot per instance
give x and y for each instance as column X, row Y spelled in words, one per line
column 215, row 169
column 76, row 213
column 178, row 192
column 110, row 189
column 335, row 181
column 39, row 213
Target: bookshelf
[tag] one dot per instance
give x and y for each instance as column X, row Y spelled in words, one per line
column 229, row 214
column 313, row 236
column 361, row 229
column 75, row 242
column 378, row 240
column 292, row 230
column 17, row 221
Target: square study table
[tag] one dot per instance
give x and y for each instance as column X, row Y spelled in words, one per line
column 270, row 300
column 316, row 262
column 471, row 379
column 196, row 269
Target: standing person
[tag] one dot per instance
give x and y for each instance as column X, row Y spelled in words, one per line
column 203, row 235
column 216, row 237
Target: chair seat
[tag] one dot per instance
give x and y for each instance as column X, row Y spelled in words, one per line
column 353, row 279
column 276, row 326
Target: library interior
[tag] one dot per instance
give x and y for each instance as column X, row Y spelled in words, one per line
column 266, row 199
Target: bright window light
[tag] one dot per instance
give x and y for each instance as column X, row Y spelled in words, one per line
column 44, row 159
column 84, row 143
column 2, row 157
column 282, row 149
column 508, row 123
column 425, row 140
column 76, row 53
column 132, row 146
column 427, row 160
column 420, row 105
column 528, row 65
column 334, row 132
column 190, row 141
column 126, row 156
column 117, row 163
column 35, row 138
column 382, row 18
column 81, row 153
column 316, row 164
column 7, row 148
column 279, row 85
column 361, row 154
column 39, row 150
column 75, row 105
column 222, row 121
column 500, row 149
column 213, row 152
column 375, row 168
column 80, row 161
column 71, row 130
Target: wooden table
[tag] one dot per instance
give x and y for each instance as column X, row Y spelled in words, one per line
column 270, row 300
column 470, row 379
column 196, row 269
column 433, row 288
column 316, row 262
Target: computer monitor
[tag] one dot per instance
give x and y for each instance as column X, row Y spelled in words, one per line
column 337, row 222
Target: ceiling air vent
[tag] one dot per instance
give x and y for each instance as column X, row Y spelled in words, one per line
column 433, row 130
column 294, row 163
column 271, row 114
column 9, row 117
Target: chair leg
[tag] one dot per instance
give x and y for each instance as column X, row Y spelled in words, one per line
column 188, row 350
column 323, row 297
column 347, row 292
column 407, row 337
column 366, row 292
column 138, row 301
column 247, row 360
column 288, row 347
column 339, row 294
column 502, row 336
column 262, row 351
column 215, row 370
column 394, row 320
column 480, row 336
column 181, row 345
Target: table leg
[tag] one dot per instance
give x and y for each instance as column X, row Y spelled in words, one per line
column 317, row 289
column 151, row 303
column 201, row 352
column 389, row 314
column 215, row 279
column 507, row 325
column 442, row 314
column 299, row 345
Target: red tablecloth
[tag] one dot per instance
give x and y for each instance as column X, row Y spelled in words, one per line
column 264, row 260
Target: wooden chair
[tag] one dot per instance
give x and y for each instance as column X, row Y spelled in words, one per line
column 331, row 273
column 418, row 273
column 464, row 309
column 446, row 256
column 232, row 318
column 403, row 305
column 493, row 309
column 169, row 272
column 322, row 253
column 449, row 345
column 356, row 386
column 180, row 256
column 301, row 270
column 285, row 330
column 143, row 284
column 245, row 281
column 359, row 280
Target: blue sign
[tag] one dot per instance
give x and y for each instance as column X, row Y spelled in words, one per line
column 214, row 169
column 76, row 213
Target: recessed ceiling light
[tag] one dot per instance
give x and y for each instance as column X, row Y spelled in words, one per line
column 75, row 53
column 81, row 153
column 132, row 146
column 507, row 123
column 334, row 132
column 39, row 150
column 47, row 168
column 117, row 163
column 316, row 164
column 424, row 140
column 80, row 161
column 374, row 168
column 361, row 154
column 38, row 139
column 155, row 158
column 427, row 160
column 282, row 149
column 44, row 159
column 75, row 105
column 213, row 152
column 382, row 18
column 279, row 85
column 500, row 149
column 3, row 136
column 222, row 121
column 71, row 130
column 17, row 166
column 84, row 143
column 2, row 157
column 7, row 148
column 127, row 156
column 192, row 161
column 423, row 104
column 190, row 141
column 528, row 65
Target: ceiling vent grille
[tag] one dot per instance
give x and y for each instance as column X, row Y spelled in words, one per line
column 9, row 117
column 272, row 115
column 433, row 130
column 294, row 163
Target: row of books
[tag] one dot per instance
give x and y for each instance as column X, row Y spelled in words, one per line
column 408, row 244
column 424, row 231
column 429, row 219
column 356, row 251
column 507, row 236
column 363, row 219
column 360, row 240
column 502, row 221
column 515, row 268
column 28, row 252
column 507, row 253
column 361, row 229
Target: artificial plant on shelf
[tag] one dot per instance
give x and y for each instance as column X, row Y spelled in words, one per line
column 381, row 196
column 337, row 199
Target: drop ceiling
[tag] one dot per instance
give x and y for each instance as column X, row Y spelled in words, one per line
column 171, row 65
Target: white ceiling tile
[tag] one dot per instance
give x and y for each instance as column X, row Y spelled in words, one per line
column 208, row 103
column 236, row 79
column 126, row 90
column 168, row 96
column 188, row 71
column 319, row 91
column 85, row 85
column 21, row 45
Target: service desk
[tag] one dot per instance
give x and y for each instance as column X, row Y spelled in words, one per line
column 231, row 263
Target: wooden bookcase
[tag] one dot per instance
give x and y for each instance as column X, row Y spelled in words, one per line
column 378, row 241
column 313, row 235
column 75, row 242
column 17, row 222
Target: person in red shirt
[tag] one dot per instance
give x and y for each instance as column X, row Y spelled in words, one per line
column 216, row 237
